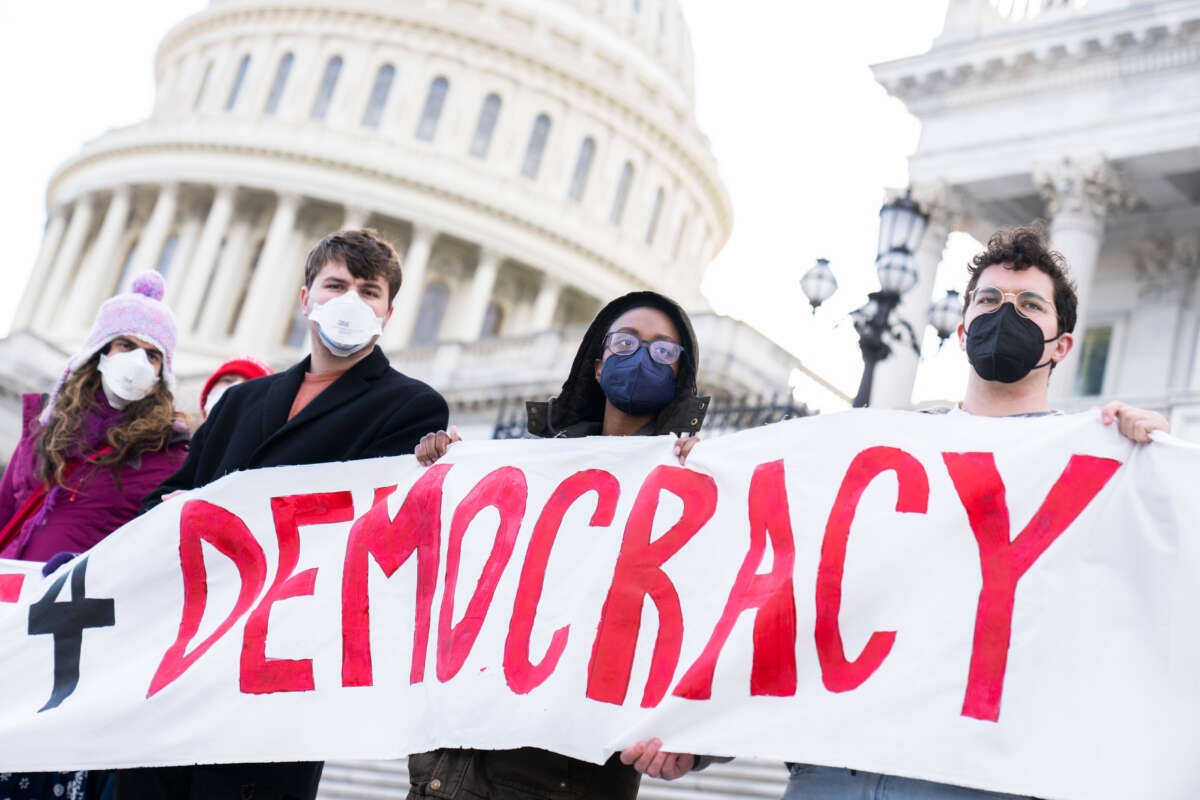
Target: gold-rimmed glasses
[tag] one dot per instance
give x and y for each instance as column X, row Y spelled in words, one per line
column 1027, row 303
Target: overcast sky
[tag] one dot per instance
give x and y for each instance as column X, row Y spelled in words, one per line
column 805, row 138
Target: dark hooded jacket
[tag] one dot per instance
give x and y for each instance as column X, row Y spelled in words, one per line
column 578, row 410
column 529, row 773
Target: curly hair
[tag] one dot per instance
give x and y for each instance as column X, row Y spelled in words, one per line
column 148, row 425
column 1021, row 248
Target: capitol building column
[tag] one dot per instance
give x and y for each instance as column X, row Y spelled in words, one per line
column 479, row 293
column 542, row 317
column 414, row 264
column 150, row 243
column 213, row 319
column 200, row 271
column 64, row 264
column 262, row 315
column 356, row 218
column 42, row 267
column 96, row 277
column 1079, row 195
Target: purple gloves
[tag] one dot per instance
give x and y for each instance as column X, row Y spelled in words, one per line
column 56, row 561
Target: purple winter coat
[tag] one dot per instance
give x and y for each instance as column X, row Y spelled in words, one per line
column 75, row 518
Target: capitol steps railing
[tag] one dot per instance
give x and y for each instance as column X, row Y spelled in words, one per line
column 738, row 779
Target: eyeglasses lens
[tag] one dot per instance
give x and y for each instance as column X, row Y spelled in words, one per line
column 665, row 352
column 622, row 343
column 661, row 350
column 1027, row 303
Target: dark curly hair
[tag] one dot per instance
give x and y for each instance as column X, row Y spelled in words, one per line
column 1021, row 248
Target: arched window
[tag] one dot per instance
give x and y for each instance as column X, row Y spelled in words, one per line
column 241, row 301
column 486, row 125
column 492, row 320
column 427, row 127
column 536, row 146
column 583, row 166
column 278, row 85
column 655, row 212
column 683, row 223
column 203, row 86
column 238, row 80
column 379, row 96
column 618, row 206
column 333, row 68
column 167, row 255
column 1089, row 381
column 430, row 313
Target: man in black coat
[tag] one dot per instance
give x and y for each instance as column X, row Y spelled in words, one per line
column 343, row 402
column 370, row 411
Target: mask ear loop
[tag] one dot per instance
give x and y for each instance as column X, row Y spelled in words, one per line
column 1048, row 360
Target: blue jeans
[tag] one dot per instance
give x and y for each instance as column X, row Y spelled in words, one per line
column 811, row 782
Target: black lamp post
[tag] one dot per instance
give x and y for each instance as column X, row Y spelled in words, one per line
column 901, row 226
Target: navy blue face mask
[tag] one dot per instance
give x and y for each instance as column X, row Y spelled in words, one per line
column 636, row 383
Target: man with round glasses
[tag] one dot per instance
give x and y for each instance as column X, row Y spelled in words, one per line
column 1018, row 317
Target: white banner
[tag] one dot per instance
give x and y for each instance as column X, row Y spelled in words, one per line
column 1009, row 604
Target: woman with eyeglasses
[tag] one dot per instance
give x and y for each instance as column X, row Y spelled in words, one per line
column 633, row 375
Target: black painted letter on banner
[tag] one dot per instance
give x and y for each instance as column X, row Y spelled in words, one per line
column 66, row 621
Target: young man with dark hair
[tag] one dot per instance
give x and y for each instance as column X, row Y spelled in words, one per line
column 1018, row 322
column 1019, row 316
column 344, row 402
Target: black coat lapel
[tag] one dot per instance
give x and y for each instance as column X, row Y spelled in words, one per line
column 357, row 380
column 279, row 398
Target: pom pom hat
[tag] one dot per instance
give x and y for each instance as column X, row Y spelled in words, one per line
column 139, row 312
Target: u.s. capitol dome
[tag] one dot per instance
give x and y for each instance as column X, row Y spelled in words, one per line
column 530, row 161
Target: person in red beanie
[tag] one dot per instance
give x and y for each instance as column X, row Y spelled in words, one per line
column 233, row 371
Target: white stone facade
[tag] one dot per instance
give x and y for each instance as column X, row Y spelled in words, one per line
column 1083, row 113
column 530, row 160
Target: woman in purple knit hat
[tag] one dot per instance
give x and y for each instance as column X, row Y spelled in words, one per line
column 103, row 439
column 89, row 452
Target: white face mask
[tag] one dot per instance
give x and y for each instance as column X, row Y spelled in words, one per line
column 346, row 323
column 126, row 377
column 210, row 402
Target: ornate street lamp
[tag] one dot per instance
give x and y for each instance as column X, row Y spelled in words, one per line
column 901, row 226
column 896, row 272
column 945, row 314
column 819, row 283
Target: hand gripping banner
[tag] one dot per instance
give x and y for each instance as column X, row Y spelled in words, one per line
column 1010, row 604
